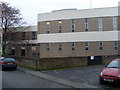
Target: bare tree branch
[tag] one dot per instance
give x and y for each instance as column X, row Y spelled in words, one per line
column 10, row 18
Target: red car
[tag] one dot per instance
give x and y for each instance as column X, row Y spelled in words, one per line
column 111, row 73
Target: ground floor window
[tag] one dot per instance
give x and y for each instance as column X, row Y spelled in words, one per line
column 13, row 52
column 22, row 52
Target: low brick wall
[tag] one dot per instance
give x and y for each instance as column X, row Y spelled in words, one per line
column 56, row 63
column 52, row 63
column 26, row 62
column 108, row 59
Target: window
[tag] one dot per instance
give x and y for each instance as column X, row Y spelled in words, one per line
column 115, row 45
column 23, row 35
column 34, row 54
column 73, row 46
column 73, row 25
column 115, row 23
column 48, row 23
column 86, row 24
column 22, row 44
column 33, row 48
column 13, row 51
column 60, row 26
column 60, row 22
column 100, row 23
column 86, row 46
column 34, row 36
column 38, row 54
column 100, row 46
column 48, row 27
column 60, row 47
column 23, row 52
column 48, row 46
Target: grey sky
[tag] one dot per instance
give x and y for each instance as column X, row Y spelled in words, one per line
column 30, row 8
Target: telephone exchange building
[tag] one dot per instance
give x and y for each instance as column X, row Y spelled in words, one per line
column 90, row 34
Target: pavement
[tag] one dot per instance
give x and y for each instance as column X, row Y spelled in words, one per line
column 56, row 79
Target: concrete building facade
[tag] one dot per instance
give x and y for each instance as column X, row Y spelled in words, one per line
column 91, row 33
column 70, row 37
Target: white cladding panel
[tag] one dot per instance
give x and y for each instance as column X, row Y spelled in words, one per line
column 72, row 14
column 79, row 37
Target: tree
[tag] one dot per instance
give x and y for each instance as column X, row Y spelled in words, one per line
column 10, row 19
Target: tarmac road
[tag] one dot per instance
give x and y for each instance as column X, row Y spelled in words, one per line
column 18, row 79
column 87, row 75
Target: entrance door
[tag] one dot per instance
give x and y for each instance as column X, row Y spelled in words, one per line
column 94, row 61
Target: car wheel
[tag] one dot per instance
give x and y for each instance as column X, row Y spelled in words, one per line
column 3, row 69
column 101, row 82
column 15, row 68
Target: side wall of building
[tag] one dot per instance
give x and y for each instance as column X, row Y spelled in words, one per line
column 79, row 26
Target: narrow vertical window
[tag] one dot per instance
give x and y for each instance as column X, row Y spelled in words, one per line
column 101, row 46
column 100, row 23
column 115, row 23
column 23, row 35
column 60, row 47
column 48, row 46
column 73, row 25
column 48, row 27
column 34, row 54
column 60, row 26
column 86, row 46
column 73, row 46
column 115, row 45
column 13, row 51
column 34, row 36
column 86, row 24
column 23, row 52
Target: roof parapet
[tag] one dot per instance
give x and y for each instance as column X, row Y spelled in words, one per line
column 64, row 10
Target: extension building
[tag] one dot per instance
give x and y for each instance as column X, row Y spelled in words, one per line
column 23, row 42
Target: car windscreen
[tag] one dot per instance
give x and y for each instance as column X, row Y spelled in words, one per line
column 114, row 64
column 8, row 60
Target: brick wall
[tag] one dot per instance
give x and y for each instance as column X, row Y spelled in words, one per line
column 52, row 63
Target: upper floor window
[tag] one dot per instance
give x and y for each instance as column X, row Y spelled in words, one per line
column 60, row 26
column 100, row 46
column 100, row 23
column 34, row 37
column 48, row 27
column 115, row 45
column 73, row 25
column 86, row 24
column 115, row 23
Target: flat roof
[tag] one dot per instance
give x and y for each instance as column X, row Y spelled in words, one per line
column 74, row 13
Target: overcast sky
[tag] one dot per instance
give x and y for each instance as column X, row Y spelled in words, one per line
column 30, row 8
